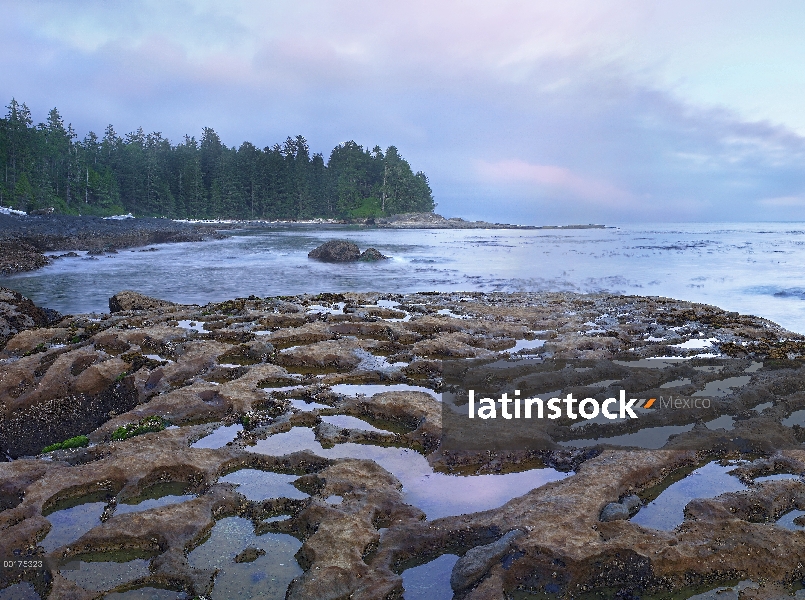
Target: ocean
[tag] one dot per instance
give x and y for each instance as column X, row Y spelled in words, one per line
column 755, row 268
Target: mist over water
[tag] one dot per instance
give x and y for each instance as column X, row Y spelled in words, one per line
column 749, row 268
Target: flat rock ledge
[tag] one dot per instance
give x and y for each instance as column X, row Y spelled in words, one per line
column 129, row 300
column 249, row 361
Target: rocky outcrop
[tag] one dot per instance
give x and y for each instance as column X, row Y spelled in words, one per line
column 336, row 251
column 476, row 563
column 344, row 251
column 18, row 313
column 371, row 255
column 128, row 300
column 17, row 257
column 434, row 221
column 25, row 239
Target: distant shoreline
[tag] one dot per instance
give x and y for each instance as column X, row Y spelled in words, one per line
column 401, row 221
column 25, row 240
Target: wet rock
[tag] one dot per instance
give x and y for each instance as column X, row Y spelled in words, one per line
column 471, row 567
column 17, row 257
column 371, row 255
column 304, row 334
column 329, row 435
column 336, row 251
column 614, row 511
column 33, row 341
column 23, row 239
column 250, row 555
column 333, row 554
column 334, row 354
column 449, row 345
column 61, row 405
column 128, row 300
column 249, row 353
column 18, row 313
column 355, row 548
column 632, row 504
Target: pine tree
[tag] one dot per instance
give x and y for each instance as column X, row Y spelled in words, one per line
column 149, row 176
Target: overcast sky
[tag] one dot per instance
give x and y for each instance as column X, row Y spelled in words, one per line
column 518, row 111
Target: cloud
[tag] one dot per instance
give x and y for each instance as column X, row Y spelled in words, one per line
column 783, row 202
column 560, row 179
column 518, row 110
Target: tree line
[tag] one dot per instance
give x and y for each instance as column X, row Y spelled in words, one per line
column 45, row 166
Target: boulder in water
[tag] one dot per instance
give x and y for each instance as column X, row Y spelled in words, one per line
column 336, row 251
column 371, row 255
column 344, row 251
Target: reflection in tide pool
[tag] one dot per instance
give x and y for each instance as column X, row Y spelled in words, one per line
column 19, row 591
column 347, row 422
column 778, row 477
column 147, row 593
column 430, row 581
column 220, row 437
column 370, row 389
column 787, row 520
column 650, row 437
column 795, row 418
column 152, row 503
column 71, row 523
column 261, row 485
column 105, row 575
column 266, row 577
column 522, row 346
column 723, row 422
column 436, row 494
column 667, row 511
column 307, row 406
column 723, row 387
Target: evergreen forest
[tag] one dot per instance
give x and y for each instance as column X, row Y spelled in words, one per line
column 45, row 165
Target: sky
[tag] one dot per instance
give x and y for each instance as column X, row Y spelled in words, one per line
column 532, row 111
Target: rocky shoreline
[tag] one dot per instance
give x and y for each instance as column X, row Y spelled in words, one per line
column 150, row 379
column 26, row 240
column 434, row 221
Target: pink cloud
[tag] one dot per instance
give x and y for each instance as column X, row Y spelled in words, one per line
column 559, row 179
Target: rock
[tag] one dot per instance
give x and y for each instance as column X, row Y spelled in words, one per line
column 23, row 240
column 18, row 313
column 333, row 354
column 90, row 376
column 249, row 555
column 128, row 300
column 249, row 353
column 632, row 504
column 371, row 255
column 471, row 567
column 614, row 511
column 16, row 257
column 42, row 211
column 336, row 251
